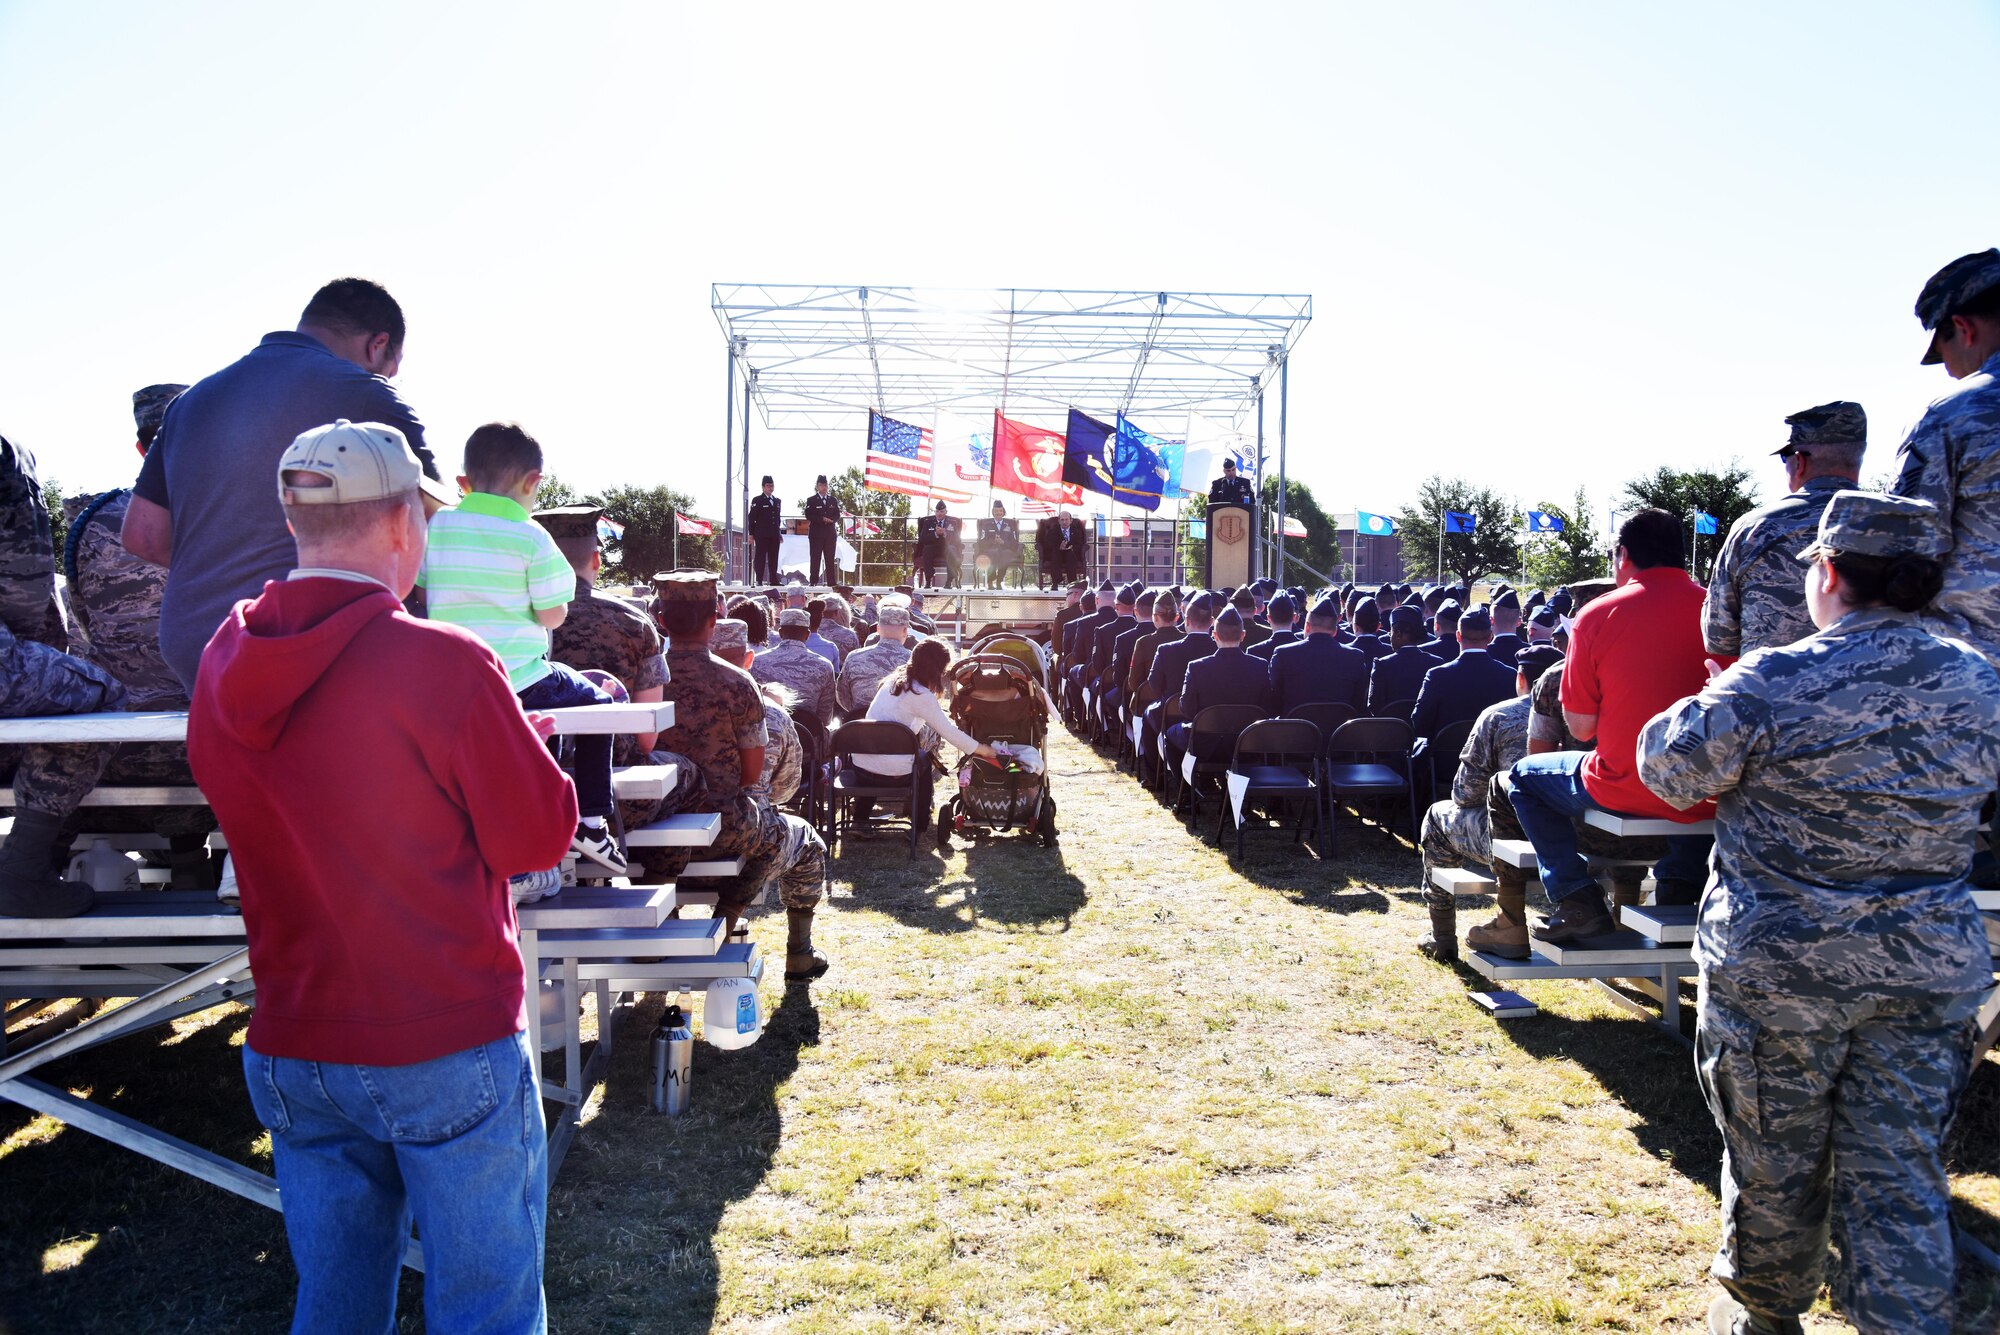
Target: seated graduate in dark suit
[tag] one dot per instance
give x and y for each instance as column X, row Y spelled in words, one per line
column 1165, row 630
column 1170, row 663
column 1229, row 676
column 1399, row 674
column 1086, row 629
column 1281, row 611
column 1318, row 669
column 1444, row 643
column 1111, row 682
column 1461, row 689
column 1367, row 621
column 1507, row 641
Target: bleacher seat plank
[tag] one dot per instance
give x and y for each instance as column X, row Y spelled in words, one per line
column 1462, row 880
column 1621, row 949
column 600, row 906
column 686, row 937
column 1986, row 901
column 691, row 829
column 714, row 869
column 1537, row 965
column 1515, row 853
column 1636, row 827
column 1670, row 924
column 127, row 914
column 734, row 959
column 643, row 783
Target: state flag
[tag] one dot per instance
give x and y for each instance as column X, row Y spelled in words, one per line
column 1541, row 521
column 609, row 529
column 1704, row 522
column 1457, row 522
column 1294, row 526
column 692, row 528
column 1373, row 526
column 1028, row 461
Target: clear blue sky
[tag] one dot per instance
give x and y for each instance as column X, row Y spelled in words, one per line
column 1548, row 244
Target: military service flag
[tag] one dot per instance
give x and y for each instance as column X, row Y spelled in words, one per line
column 1704, row 522
column 1028, row 461
column 1541, row 521
column 1087, row 454
column 1456, row 522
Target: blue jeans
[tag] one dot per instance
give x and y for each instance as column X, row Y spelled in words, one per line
column 1549, row 798
column 565, row 686
column 455, row 1143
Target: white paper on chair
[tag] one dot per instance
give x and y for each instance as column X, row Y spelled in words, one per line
column 1087, row 699
column 1187, row 765
column 1239, row 784
column 1138, row 733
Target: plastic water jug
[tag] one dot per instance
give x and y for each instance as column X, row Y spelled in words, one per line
column 732, row 1016
column 104, row 868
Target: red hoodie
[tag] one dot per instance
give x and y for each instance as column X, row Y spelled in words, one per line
column 378, row 783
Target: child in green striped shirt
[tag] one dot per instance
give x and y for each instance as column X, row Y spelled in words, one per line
column 491, row 569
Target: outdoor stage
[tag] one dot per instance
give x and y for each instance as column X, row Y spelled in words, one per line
column 965, row 615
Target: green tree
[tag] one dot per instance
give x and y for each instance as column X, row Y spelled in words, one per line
column 1726, row 495
column 1493, row 545
column 885, row 557
column 1550, row 560
column 52, row 497
column 648, row 546
column 554, row 492
column 1319, row 549
column 1194, row 551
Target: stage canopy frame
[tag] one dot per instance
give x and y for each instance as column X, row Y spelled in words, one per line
column 812, row 357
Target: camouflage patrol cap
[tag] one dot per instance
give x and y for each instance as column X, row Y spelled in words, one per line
column 149, row 405
column 1584, row 591
column 684, row 586
column 794, row 616
column 892, row 612
column 730, row 634
column 570, row 521
column 1869, row 523
column 1836, row 423
column 1952, row 288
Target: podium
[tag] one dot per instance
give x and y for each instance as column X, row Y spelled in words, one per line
column 1231, row 530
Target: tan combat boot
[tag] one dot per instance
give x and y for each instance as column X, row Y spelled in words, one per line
column 1507, row 934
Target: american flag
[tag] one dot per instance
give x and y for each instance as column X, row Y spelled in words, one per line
column 899, row 457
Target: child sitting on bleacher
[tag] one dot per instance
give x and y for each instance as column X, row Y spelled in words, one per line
column 492, row 570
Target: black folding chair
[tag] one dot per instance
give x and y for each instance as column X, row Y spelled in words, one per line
column 1439, row 761
column 851, row 783
column 1325, row 716
column 1275, row 758
column 1361, row 763
column 1211, row 743
column 1170, row 713
column 1401, row 709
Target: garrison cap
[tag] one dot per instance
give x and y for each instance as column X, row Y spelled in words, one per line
column 1130, row 593
column 1327, row 609
column 1836, row 423
column 1432, row 597
column 1263, row 588
column 1243, row 599
column 1407, row 619
column 1535, row 600
column 794, row 616
column 1564, row 601
column 149, row 405
column 1546, row 617
column 1281, row 607
column 1954, row 287
column 570, row 521
column 1537, row 659
column 684, row 586
column 1202, row 605
column 1385, row 593
column 1508, row 601
column 1449, row 609
column 1368, row 607
column 730, row 634
column 1149, row 598
column 1868, row 523
column 1229, row 619
column 1346, row 588
column 1108, row 587
column 1476, row 621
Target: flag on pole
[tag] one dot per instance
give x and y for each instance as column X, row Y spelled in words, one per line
column 962, row 461
column 1113, row 528
column 1139, row 472
column 691, row 528
column 863, row 525
column 1294, row 526
column 899, row 457
column 1028, row 461
column 609, row 529
column 1087, row 454
column 1704, row 522
column 1456, row 522
column 1373, row 526
column 1541, row 521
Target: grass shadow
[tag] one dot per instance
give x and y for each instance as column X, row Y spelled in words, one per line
column 667, row 1182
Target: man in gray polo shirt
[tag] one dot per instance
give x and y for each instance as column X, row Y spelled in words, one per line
column 204, row 506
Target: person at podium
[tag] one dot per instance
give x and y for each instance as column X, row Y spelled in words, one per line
column 1231, row 488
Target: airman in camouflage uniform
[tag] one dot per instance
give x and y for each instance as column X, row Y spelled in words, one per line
column 1841, row 957
column 38, row 678
column 719, row 715
column 1952, row 456
column 1755, row 597
column 790, row 664
column 836, row 628
column 867, row 668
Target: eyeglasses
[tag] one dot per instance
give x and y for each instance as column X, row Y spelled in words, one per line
column 1788, row 454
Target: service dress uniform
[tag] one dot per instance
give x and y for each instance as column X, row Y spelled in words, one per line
column 822, row 534
column 766, row 534
column 1841, row 957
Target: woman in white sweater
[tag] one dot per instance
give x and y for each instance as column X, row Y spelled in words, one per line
column 910, row 696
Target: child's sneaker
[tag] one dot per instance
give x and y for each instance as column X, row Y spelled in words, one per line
column 530, row 886
column 595, row 843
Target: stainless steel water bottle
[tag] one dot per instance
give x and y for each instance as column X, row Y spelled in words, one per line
column 673, row 1063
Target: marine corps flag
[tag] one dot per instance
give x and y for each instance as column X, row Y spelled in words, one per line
column 1028, row 461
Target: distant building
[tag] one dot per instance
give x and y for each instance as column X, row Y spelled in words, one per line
column 1371, row 558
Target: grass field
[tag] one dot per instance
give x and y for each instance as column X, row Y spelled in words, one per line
column 1120, row 1086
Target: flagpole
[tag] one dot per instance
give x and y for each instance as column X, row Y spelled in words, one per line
column 1440, row 574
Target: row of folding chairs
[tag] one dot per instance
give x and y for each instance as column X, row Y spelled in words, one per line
column 829, row 788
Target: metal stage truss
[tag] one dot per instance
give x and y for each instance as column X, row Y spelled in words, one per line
column 818, row 358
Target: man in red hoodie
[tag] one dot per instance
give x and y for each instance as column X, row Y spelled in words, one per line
column 1633, row 652
column 379, row 783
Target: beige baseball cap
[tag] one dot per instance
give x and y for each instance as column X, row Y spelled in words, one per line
column 361, row 461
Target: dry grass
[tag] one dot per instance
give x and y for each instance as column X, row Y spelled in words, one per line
column 1122, row 1087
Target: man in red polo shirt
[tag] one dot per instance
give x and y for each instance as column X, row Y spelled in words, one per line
column 1633, row 652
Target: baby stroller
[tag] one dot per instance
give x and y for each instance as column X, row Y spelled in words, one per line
column 997, row 699
column 1020, row 648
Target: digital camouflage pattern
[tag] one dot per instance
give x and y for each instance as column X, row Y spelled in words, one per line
column 1951, row 288
column 1820, row 1099
column 603, row 633
column 1842, row 422
column 1457, row 831
column 37, row 680
column 1952, row 459
column 1545, row 713
column 864, row 672
column 28, row 605
column 1757, row 593
column 115, row 598
column 790, row 664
